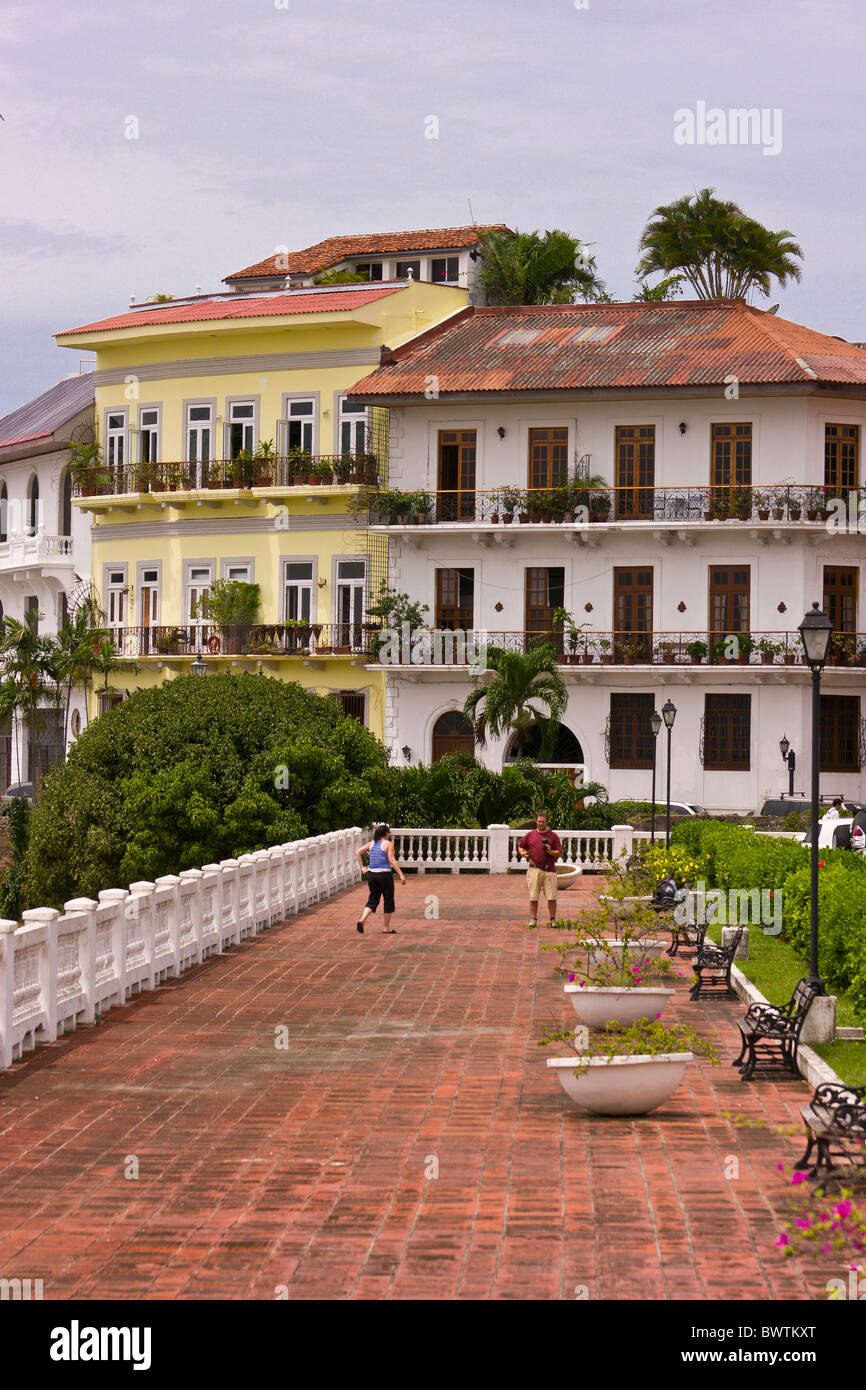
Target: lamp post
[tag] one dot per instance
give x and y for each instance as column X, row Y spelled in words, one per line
column 655, row 722
column 789, row 757
column 815, row 630
column 669, row 714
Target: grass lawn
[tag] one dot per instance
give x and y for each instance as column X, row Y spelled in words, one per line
column 775, row 968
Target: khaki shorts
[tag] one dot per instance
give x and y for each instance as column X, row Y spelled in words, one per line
column 538, row 881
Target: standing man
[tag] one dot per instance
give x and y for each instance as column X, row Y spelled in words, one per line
column 835, row 810
column 541, row 847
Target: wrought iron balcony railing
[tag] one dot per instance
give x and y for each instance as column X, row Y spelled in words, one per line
column 307, row 470
column 258, row 639
column 572, row 504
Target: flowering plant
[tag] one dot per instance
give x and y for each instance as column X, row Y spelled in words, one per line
column 649, row 1037
column 827, row 1225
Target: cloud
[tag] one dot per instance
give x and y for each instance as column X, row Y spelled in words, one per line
column 35, row 239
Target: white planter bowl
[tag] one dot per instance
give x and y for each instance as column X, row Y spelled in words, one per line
column 596, row 1005
column 625, row 907
column 620, row 1085
column 567, row 875
column 612, row 947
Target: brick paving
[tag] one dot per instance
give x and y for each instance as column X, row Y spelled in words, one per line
column 307, row 1170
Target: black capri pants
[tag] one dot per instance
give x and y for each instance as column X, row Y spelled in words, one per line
column 381, row 886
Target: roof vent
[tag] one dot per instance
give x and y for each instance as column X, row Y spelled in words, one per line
column 595, row 333
column 517, row 337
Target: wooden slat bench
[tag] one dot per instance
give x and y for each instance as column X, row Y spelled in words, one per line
column 835, row 1121
column 775, row 1029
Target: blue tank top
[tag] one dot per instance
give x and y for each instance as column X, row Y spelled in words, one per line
column 379, row 857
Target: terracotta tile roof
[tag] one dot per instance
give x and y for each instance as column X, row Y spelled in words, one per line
column 613, row 346
column 336, row 249
column 271, row 306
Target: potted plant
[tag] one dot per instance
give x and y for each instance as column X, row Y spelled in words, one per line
column 168, row 641
column 777, row 511
column 762, row 503
column 563, row 621
column 668, row 652
column 599, row 506
column 560, row 502
column 697, row 651
column 769, row 650
column 263, row 464
column 232, row 606
column 842, row 646
column 495, row 502
column 625, row 1070
column 86, row 468
column 794, row 508
column 512, row 499
column 314, row 477
column 603, row 647
column 297, row 633
column 419, row 507
column 299, row 466
column 860, row 656
column 741, row 504
column 326, row 472
column 745, row 647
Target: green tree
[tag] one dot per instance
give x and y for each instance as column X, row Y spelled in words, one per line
column 24, row 661
column 527, row 689
column 530, row 268
column 722, row 253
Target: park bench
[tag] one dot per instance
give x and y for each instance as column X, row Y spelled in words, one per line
column 775, row 1029
column 713, row 965
column 835, row 1121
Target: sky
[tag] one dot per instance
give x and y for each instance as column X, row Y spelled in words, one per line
column 264, row 123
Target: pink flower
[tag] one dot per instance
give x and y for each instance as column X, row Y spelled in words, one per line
column 781, row 1167
column 571, row 978
column 843, row 1208
column 658, row 1015
column 783, row 1239
column 804, row 1222
column 798, row 1178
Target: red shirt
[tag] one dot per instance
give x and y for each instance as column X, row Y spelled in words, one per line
column 532, row 843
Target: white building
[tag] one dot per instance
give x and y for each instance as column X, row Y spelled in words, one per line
column 44, row 544
column 724, row 436
column 442, row 255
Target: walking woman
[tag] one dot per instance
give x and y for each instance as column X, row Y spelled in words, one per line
column 383, row 866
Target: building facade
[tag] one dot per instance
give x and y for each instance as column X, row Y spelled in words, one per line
column 657, row 491
column 44, row 549
column 230, row 451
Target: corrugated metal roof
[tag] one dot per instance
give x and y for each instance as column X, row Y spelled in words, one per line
column 272, row 306
column 40, row 417
column 607, row 346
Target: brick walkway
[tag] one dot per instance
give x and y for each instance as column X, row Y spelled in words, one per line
column 309, row 1166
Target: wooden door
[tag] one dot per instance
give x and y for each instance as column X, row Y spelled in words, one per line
column 457, row 452
column 635, row 471
column 633, row 613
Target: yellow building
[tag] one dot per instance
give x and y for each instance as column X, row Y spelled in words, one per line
column 229, row 452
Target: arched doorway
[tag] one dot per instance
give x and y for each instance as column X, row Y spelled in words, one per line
column 452, row 733
column 66, row 505
column 32, row 518
column 4, row 511
column 566, row 749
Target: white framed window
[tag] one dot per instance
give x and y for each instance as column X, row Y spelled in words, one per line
column 445, row 270
column 405, row 269
column 148, row 590
column 148, row 431
column 115, row 440
column 240, row 571
column 353, row 431
column 199, row 437
column 350, row 597
column 199, row 579
column 298, row 591
column 240, row 428
column 116, row 590
column 371, row 269
column 298, row 426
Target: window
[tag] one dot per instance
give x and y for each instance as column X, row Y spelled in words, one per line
column 149, row 597
column 199, row 438
column 452, row 733
column 406, row 268
column 353, row 427
column 455, row 599
column 545, row 591
column 840, row 733
column 352, row 703
column 728, row 603
column 629, row 733
column 456, row 475
column 445, row 270
column 241, row 428
column 31, row 605
column 4, row 511
column 351, row 593
column 62, row 610
column 633, row 614
column 199, row 580
column 148, row 427
column 731, row 464
column 635, row 447
column 298, row 589
column 115, row 444
column 296, row 428
column 237, row 572
column 548, row 458
column 66, row 505
column 840, row 596
column 727, row 732
column 32, row 517
column 841, row 457
column 371, row 269
column 115, row 593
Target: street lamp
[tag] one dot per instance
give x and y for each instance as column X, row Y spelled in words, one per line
column 669, row 714
column 815, row 630
column 655, row 722
column 199, row 667
column 789, row 757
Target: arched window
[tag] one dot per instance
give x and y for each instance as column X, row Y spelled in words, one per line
column 452, row 733
column 31, row 521
column 76, row 723
column 66, row 505
column 4, row 512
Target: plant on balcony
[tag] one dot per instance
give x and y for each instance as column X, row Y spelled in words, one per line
column 300, row 462
column 741, row 503
column 697, row 651
column 561, row 502
column 575, row 638
column 632, row 649
column 761, row 502
column 667, row 650
column 603, row 647
column 734, row 649
column 263, row 463
column 393, row 608
column 513, row 500
column 842, row 647
column 168, row 642
column 419, row 507
column 777, row 510
column 232, row 606
column 769, row 650
column 86, row 467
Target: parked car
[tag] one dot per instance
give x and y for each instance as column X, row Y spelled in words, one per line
column 842, row 832
column 16, row 789
column 781, row 806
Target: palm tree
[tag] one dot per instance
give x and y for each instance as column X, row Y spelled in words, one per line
column 73, row 655
column 527, row 689
column 24, row 660
column 527, row 268
column 722, row 253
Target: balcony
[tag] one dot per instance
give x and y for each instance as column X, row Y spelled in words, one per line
column 258, row 477
column 262, row 640
column 21, row 552
column 574, row 507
